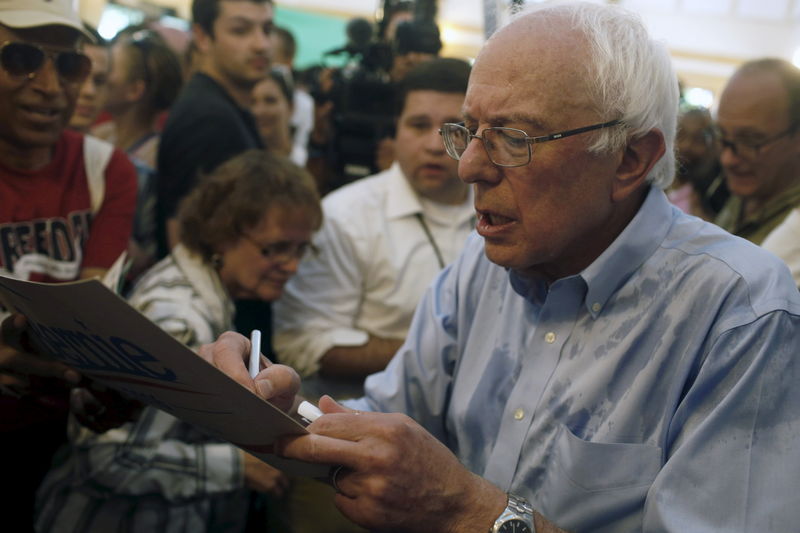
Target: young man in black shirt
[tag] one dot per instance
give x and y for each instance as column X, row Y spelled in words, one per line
column 210, row 122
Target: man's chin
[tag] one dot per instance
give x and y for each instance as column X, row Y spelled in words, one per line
column 440, row 189
column 250, row 79
column 36, row 138
column 500, row 255
column 743, row 187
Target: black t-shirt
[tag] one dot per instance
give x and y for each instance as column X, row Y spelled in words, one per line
column 205, row 128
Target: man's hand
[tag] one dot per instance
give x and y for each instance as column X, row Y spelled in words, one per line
column 396, row 475
column 19, row 363
column 261, row 477
column 277, row 383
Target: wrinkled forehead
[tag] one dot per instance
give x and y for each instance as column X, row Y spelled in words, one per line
column 55, row 36
column 534, row 65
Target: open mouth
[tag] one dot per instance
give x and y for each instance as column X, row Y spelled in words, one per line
column 489, row 218
column 497, row 220
column 493, row 224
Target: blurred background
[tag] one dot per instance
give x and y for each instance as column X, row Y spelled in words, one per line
column 707, row 38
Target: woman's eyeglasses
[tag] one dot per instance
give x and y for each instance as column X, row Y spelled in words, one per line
column 284, row 251
column 26, row 59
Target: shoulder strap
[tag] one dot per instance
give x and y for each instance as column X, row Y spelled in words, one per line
column 96, row 155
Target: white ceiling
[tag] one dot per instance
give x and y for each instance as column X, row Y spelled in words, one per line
column 708, row 38
column 738, row 29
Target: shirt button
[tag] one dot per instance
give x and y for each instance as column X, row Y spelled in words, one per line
column 519, row 413
column 550, row 337
column 596, row 307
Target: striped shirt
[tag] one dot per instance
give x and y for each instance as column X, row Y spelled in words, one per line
column 154, row 474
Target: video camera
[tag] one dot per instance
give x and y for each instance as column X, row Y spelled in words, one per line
column 363, row 92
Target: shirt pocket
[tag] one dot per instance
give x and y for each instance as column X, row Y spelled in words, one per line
column 596, row 466
column 598, row 486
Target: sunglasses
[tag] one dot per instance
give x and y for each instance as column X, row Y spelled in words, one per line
column 25, row 59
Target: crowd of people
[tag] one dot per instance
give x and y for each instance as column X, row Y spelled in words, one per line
column 544, row 298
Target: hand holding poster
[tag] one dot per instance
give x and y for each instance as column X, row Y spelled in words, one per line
column 88, row 327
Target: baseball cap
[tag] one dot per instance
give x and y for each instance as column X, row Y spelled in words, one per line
column 32, row 13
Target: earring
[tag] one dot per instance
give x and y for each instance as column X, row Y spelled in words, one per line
column 216, row 261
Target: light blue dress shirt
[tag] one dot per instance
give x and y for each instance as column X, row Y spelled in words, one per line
column 657, row 390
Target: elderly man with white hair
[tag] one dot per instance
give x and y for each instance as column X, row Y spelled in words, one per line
column 595, row 360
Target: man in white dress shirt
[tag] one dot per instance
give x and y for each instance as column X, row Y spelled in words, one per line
column 784, row 241
column 383, row 240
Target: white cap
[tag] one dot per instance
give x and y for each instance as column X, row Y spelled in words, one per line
column 32, row 13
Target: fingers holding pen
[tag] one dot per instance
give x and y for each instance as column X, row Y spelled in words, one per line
column 278, row 384
column 227, row 354
column 232, row 352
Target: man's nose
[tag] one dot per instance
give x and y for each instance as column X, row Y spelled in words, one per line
column 434, row 141
column 475, row 164
column 728, row 156
column 263, row 41
column 46, row 79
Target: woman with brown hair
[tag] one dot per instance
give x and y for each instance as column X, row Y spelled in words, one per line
column 145, row 79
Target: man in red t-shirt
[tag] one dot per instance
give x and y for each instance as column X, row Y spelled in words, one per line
column 65, row 213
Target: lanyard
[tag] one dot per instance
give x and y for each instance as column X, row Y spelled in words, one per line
column 429, row 235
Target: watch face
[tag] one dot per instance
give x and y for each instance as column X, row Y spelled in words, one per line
column 514, row 526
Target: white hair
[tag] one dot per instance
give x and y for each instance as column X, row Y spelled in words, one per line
column 630, row 77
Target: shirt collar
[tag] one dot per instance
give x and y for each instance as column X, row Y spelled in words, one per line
column 629, row 251
column 207, row 83
column 402, row 200
column 206, row 282
column 601, row 279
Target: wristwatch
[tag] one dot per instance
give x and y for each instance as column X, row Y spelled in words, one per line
column 516, row 518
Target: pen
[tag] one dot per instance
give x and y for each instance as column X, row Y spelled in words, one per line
column 307, row 410
column 255, row 352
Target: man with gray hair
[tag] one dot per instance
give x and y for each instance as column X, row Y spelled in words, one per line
column 595, row 360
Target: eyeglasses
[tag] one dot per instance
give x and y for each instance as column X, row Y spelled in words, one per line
column 284, row 251
column 26, row 59
column 506, row 147
column 750, row 148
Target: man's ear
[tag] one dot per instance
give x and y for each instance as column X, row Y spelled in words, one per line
column 640, row 155
column 201, row 39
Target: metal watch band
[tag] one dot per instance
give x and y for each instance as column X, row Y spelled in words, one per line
column 518, row 510
column 520, row 506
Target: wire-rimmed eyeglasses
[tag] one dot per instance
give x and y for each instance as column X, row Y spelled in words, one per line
column 506, row 147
